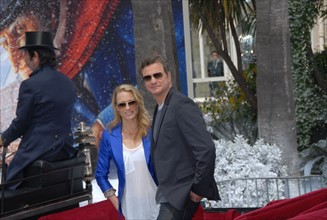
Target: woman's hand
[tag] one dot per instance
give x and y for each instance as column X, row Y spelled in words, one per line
column 114, row 201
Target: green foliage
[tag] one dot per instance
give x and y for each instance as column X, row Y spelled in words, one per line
column 230, row 114
column 219, row 13
column 310, row 104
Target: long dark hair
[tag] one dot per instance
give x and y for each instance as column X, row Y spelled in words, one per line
column 47, row 56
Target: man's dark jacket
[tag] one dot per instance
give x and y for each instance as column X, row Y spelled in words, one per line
column 43, row 118
column 215, row 69
column 183, row 152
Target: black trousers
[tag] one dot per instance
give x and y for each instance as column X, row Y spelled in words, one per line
column 59, row 153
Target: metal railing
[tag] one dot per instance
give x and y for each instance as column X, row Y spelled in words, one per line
column 257, row 192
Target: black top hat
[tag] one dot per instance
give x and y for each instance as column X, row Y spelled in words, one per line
column 38, row 39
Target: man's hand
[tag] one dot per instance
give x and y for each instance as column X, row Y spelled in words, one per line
column 195, row 197
column 12, row 148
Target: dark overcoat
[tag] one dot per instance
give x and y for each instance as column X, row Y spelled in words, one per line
column 43, row 118
column 215, row 69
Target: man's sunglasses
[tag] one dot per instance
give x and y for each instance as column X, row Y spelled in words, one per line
column 156, row 76
column 131, row 104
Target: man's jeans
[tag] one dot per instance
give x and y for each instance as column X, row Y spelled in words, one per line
column 168, row 212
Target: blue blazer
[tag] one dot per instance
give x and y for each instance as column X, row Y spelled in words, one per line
column 111, row 148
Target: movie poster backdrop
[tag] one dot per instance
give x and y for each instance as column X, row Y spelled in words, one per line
column 96, row 43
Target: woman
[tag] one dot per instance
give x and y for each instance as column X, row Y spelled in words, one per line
column 127, row 143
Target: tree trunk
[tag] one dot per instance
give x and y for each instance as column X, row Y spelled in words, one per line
column 154, row 32
column 276, row 112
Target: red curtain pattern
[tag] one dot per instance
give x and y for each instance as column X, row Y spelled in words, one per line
column 86, row 26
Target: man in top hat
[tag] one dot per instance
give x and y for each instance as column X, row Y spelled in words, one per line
column 43, row 114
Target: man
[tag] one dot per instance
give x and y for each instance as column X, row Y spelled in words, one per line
column 182, row 150
column 43, row 114
column 215, row 68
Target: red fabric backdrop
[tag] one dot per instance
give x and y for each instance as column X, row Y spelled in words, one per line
column 310, row 206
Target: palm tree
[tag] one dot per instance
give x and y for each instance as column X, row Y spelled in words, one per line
column 276, row 111
column 154, row 32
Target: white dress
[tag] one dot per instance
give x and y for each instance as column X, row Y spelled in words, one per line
column 138, row 201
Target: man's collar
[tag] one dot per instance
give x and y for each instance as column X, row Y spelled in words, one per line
column 38, row 70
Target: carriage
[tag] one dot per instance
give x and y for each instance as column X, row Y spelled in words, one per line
column 49, row 187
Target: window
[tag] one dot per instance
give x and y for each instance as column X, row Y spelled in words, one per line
column 198, row 48
column 202, row 81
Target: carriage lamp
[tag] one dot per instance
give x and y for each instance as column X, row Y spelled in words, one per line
column 85, row 141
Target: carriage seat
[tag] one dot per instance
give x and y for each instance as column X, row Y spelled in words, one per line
column 42, row 173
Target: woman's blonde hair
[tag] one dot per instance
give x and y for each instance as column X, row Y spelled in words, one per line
column 143, row 117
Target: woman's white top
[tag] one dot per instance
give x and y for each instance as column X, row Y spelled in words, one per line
column 138, row 201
